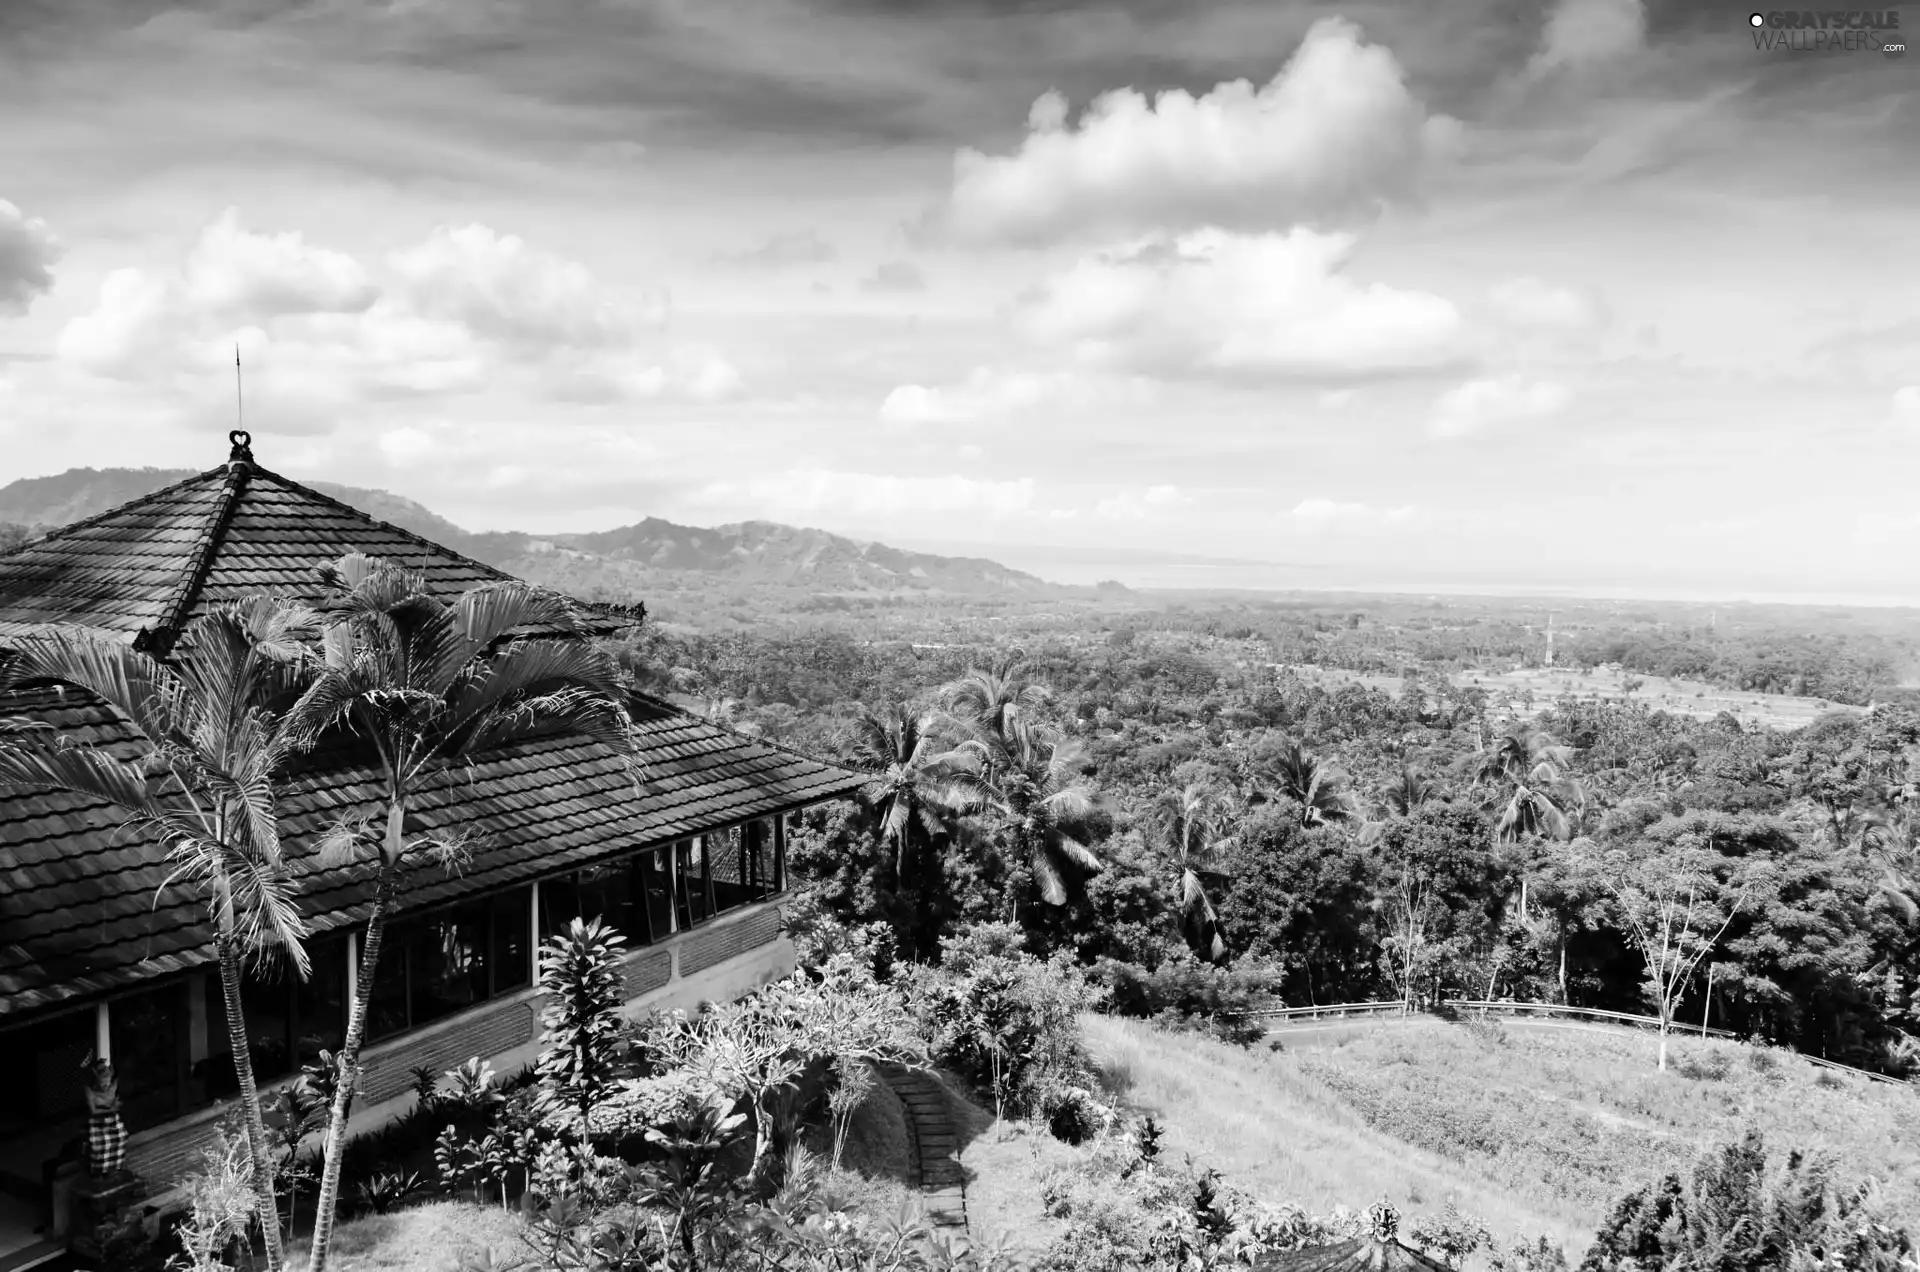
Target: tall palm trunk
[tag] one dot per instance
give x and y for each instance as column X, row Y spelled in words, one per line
column 229, row 953
column 385, row 888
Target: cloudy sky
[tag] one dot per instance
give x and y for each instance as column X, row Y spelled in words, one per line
column 1590, row 294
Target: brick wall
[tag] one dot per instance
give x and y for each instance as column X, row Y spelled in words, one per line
column 705, row 948
column 483, row 1034
column 648, row 971
column 168, row 1152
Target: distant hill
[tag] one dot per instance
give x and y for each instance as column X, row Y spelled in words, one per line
column 623, row 563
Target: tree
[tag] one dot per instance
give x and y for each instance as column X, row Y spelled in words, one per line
column 1000, row 701
column 581, row 1023
column 1534, row 792
column 1674, row 910
column 1041, row 806
column 1187, row 823
column 425, row 685
column 1289, row 772
column 916, row 787
column 213, row 746
column 1438, row 887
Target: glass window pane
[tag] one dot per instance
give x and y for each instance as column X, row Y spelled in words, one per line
column 266, row 1001
column 40, row 1072
column 387, row 1005
column 606, row 893
column 559, row 905
column 510, row 966
column 691, row 886
column 447, row 963
column 320, row 1003
column 652, row 867
column 149, row 1043
column 726, row 865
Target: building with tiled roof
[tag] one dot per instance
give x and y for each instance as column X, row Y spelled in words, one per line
column 96, row 955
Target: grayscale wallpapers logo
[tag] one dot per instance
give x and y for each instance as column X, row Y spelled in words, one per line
column 1829, row 31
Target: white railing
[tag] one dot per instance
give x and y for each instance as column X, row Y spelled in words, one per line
column 1534, row 1011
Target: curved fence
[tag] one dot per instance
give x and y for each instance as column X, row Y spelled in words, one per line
column 1335, row 1011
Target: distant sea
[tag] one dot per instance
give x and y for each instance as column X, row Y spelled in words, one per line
column 1252, row 576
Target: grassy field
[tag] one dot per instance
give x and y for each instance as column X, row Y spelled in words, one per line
column 1681, row 697
column 1534, row 1132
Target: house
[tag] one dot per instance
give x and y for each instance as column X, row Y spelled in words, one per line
column 97, row 955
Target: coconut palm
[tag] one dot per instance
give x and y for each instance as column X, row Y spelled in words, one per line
column 1187, row 822
column 991, row 703
column 203, row 788
column 1408, row 791
column 1529, row 772
column 425, row 685
column 1320, row 791
column 917, row 785
column 1033, row 792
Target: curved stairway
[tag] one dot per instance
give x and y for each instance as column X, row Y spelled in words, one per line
column 936, row 1143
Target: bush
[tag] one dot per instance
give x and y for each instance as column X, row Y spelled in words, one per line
column 1741, row 1208
column 1185, row 993
column 1008, row 1022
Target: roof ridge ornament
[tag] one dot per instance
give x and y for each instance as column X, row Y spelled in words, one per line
column 242, row 446
column 1385, row 1221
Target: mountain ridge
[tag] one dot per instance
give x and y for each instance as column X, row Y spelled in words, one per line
column 621, row 563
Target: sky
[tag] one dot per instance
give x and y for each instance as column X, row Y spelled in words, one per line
column 1583, row 295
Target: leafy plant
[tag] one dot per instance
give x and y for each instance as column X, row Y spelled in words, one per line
column 581, row 1026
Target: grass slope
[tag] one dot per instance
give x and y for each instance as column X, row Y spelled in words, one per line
column 1535, row 1132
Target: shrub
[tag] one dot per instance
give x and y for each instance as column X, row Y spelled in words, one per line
column 1008, row 1022
column 1742, row 1209
column 581, row 1040
column 1185, row 993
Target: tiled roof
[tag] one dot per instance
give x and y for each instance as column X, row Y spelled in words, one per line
column 151, row 566
column 80, row 910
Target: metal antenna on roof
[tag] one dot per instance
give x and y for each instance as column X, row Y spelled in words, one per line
column 239, row 405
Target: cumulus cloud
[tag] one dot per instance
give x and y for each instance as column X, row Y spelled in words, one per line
column 990, row 392
column 854, row 495
column 28, row 252
column 1533, row 305
column 232, row 272
column 895, row 276
column 468, row 309
column 799, row 247
column 1321, row 514
column 1906, row 406
column 504, row 289
column 1261, row 306
column 1480, row 405
column 1155, row 500
column 1332, row 135
column 1581, row 34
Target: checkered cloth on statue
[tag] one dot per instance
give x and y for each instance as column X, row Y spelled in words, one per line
column 106, row 1133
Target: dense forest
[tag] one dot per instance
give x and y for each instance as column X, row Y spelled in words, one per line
column 1174, row 806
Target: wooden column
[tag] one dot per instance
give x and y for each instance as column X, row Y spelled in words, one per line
column 780, row 852
column 353, row 973
column 102, row 1032
column 673, row 887
column 533, row 931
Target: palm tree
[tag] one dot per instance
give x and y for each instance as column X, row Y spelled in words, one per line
column 1320, row 791
column 1528, row 769
column 213, row 746
column 1405, row 795
column 917, row 785
column 994, row 702
column 426, row 685
column 1033, row 789
column 1188, row 821
column 1409, row 791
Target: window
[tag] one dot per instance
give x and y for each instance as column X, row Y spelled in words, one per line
column 629, row 894
column 148, row 1036
column 448, row 961
column 288, row 1022
column 40, row 1072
